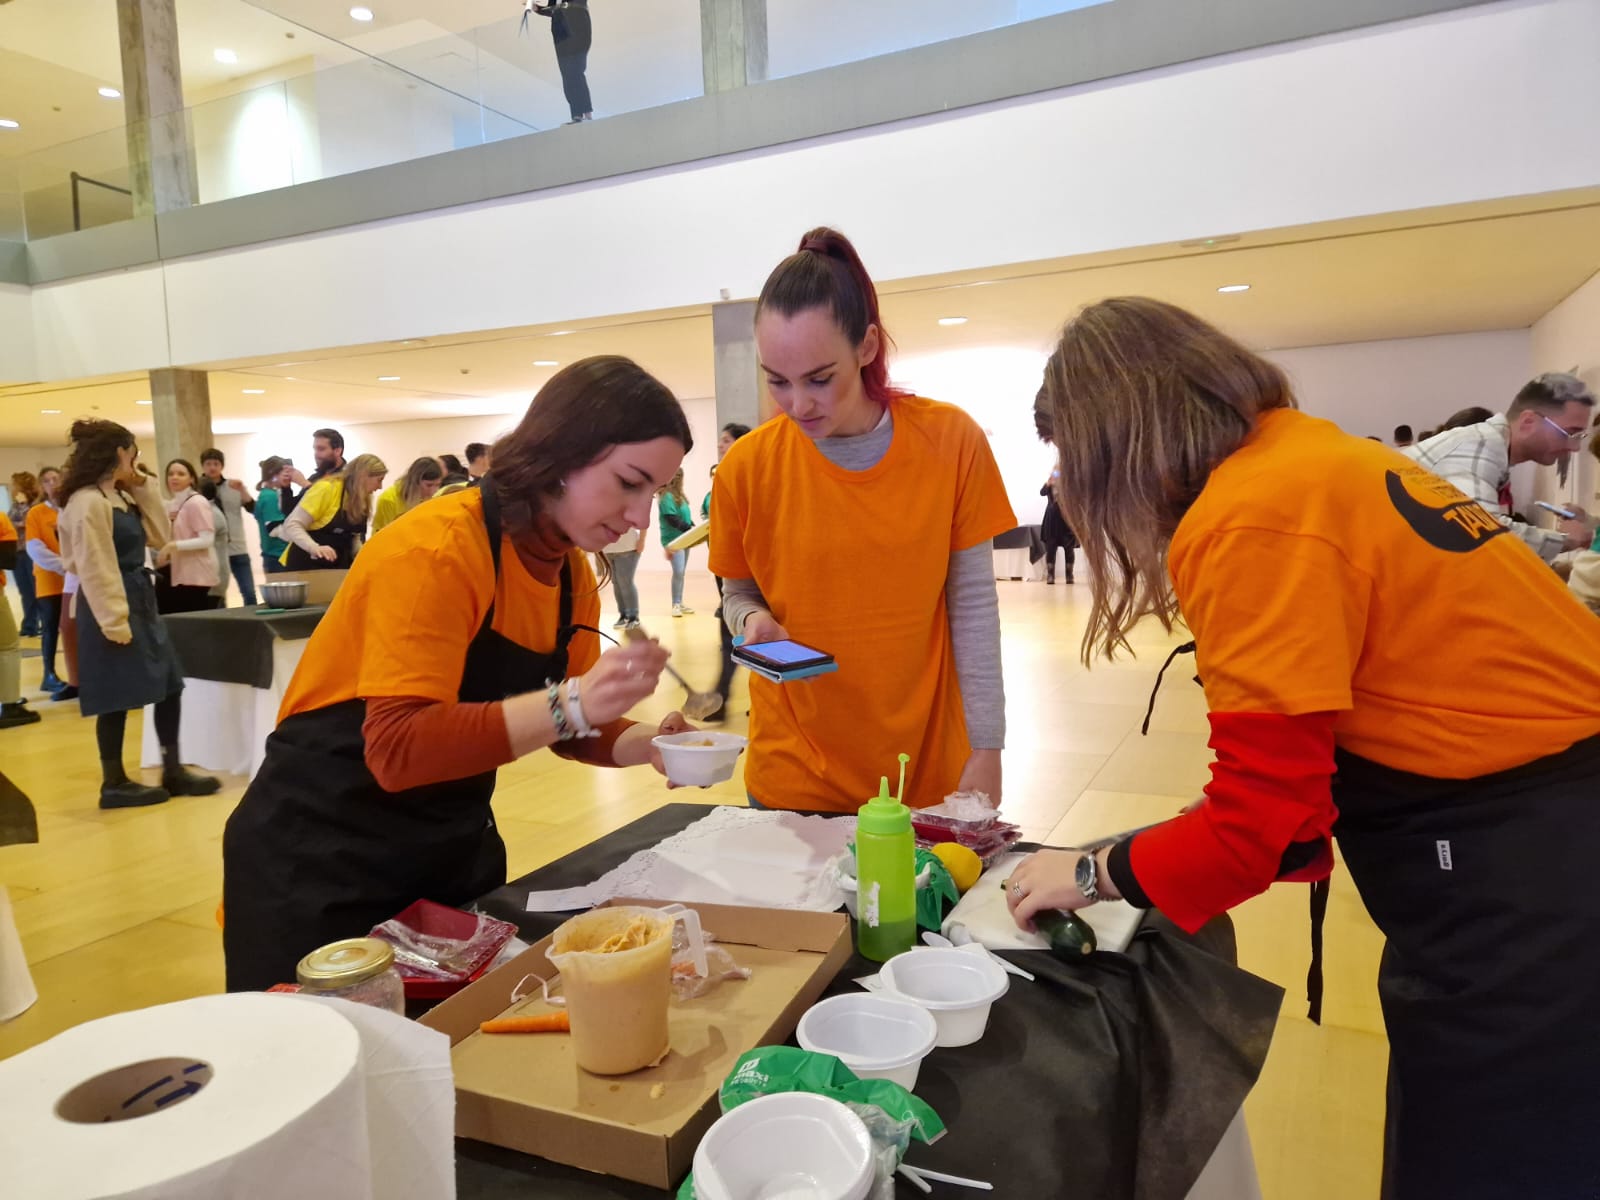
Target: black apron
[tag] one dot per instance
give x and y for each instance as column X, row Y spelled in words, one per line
column 341, row 533
column 1487, row 892
column 115, row 678
column 317, row 851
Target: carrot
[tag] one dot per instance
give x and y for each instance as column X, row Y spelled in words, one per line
column 550, row 1022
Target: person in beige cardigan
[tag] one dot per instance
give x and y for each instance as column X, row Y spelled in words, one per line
column 111, row 512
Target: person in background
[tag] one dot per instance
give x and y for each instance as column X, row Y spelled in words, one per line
column 219, row 544
column 327, row 527
column 622, row 557
column 1475, row 415
column 1403, row 436
column 1584, row 575
column 1308, row 566
column 113, row 512
column 25, row 494
column 860, row 524
column 69, row 637
column 421, row 481
column 235, row 500
column 49, row 578
column 1054, row 530
column 1548, row 420
column 572, row 33
column 674, row 518
column 731, row 433
column 269, row 514
column 1425, row 435
column 377, row 785
column 478, row 459
column 327, row 452
column 453, row 465
column 14, row 709
column 190, row 554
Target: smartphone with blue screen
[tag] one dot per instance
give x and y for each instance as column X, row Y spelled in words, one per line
column 781, row 658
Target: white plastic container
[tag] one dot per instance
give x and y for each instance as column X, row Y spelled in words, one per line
column 789, row 1146
column 877, row 1037
column 700, row 757
column 957, row 985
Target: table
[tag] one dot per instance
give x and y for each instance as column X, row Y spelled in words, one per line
column 237, row 663
column 1019, row 553
column 1143, row 1059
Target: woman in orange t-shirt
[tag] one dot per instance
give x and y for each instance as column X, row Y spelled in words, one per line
column 14, row 709
column 462, row 639
column 1314, row 570
column 860, row 524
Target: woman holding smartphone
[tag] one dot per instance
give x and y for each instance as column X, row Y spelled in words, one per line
column 860, row 524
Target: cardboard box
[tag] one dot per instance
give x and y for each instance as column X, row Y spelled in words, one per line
column 525, row 1091
column 320, row 585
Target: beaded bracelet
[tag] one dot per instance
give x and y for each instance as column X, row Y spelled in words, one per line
column 558, row 715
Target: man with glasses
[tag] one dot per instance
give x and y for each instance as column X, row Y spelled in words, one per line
column 1547, row 421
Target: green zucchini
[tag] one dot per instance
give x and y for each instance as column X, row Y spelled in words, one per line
column 1071, row 937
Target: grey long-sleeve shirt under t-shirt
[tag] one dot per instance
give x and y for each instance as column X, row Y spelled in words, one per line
column 971, row 601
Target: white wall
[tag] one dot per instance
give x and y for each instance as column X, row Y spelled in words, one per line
column 1258, row 140
column 17, row 339
column 398, row 443
column 1567, row 338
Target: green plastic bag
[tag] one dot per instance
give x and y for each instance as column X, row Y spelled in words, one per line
column 941, row 894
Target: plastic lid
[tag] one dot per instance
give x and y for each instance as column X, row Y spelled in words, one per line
column 343, row 964
column 883, row 814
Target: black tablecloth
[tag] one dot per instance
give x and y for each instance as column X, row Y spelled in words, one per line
column 1113, row 1079
column 234, row 645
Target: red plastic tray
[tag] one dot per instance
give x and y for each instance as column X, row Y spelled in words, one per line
column 439, row 920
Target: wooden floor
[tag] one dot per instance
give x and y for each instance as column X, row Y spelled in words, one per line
column 116, row 909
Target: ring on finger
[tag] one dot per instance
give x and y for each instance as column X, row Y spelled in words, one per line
column 1016, row 890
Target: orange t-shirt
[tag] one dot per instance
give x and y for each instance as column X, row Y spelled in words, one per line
column 1321, row 572
column 40, row 525
column 401, row 622
column 8, row 533
column 854, row 563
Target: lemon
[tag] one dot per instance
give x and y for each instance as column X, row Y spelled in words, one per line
column 964, row 866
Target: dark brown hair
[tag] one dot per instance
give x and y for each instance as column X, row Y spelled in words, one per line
column 826, row 272
column 24, row 484
column 583, row 411
column 94, row 455
column 1145, row 400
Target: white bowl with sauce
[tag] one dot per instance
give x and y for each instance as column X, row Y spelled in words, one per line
column 699, row 757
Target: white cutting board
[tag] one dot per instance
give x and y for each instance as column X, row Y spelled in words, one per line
column 983, row 911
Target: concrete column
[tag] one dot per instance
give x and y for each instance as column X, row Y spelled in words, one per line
column 181, row 401
column 733, row 43
column 160, row 166
column 741, row 393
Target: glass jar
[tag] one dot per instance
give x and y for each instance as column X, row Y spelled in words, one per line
column 360, row 970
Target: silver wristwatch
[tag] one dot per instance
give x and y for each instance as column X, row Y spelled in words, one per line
column 1087, row 877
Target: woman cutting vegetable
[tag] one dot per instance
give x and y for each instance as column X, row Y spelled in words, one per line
column 860, row 525
column 377, row 782
column 1309, row 565
column 328, row 526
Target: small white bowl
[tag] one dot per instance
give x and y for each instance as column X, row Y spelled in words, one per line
column 700, row 757
column 877, row 1037
column 787, row 1146
column 954, row 984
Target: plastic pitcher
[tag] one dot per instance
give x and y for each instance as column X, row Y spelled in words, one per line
column 616, row 973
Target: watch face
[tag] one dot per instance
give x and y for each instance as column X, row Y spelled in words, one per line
column 1085, row 875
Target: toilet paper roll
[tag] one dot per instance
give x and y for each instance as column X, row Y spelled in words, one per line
column 17, row 993
column 250, row 1096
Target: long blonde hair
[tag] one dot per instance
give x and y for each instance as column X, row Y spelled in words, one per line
column 357, row 497
column 423, row 470
column 1143, row 400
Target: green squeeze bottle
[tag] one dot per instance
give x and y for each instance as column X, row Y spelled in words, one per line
column 886, row 874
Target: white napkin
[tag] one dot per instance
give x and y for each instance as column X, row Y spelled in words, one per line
column 983, row 911
column 743, row 856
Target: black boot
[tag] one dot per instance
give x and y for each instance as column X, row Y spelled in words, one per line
column 181, row 781
column 118, row 791
column 1050, row 576
column 17, row 714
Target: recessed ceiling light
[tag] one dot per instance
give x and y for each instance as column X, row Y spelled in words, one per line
column 49, row 412
column 360, row 14
column 8, row 123
column 111, row 93
column 1234, row 287
column 223, row 55
column 388, row 379
column 545, row 362
column 254, row 391
column 144, row 402
column 562, row 332
column 952, row 320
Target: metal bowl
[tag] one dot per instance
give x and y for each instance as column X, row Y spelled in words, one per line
column 285, row 593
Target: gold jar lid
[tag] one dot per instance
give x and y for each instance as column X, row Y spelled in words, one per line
column 344, row 964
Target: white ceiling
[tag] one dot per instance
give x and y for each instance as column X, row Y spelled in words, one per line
column 1463, row 270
